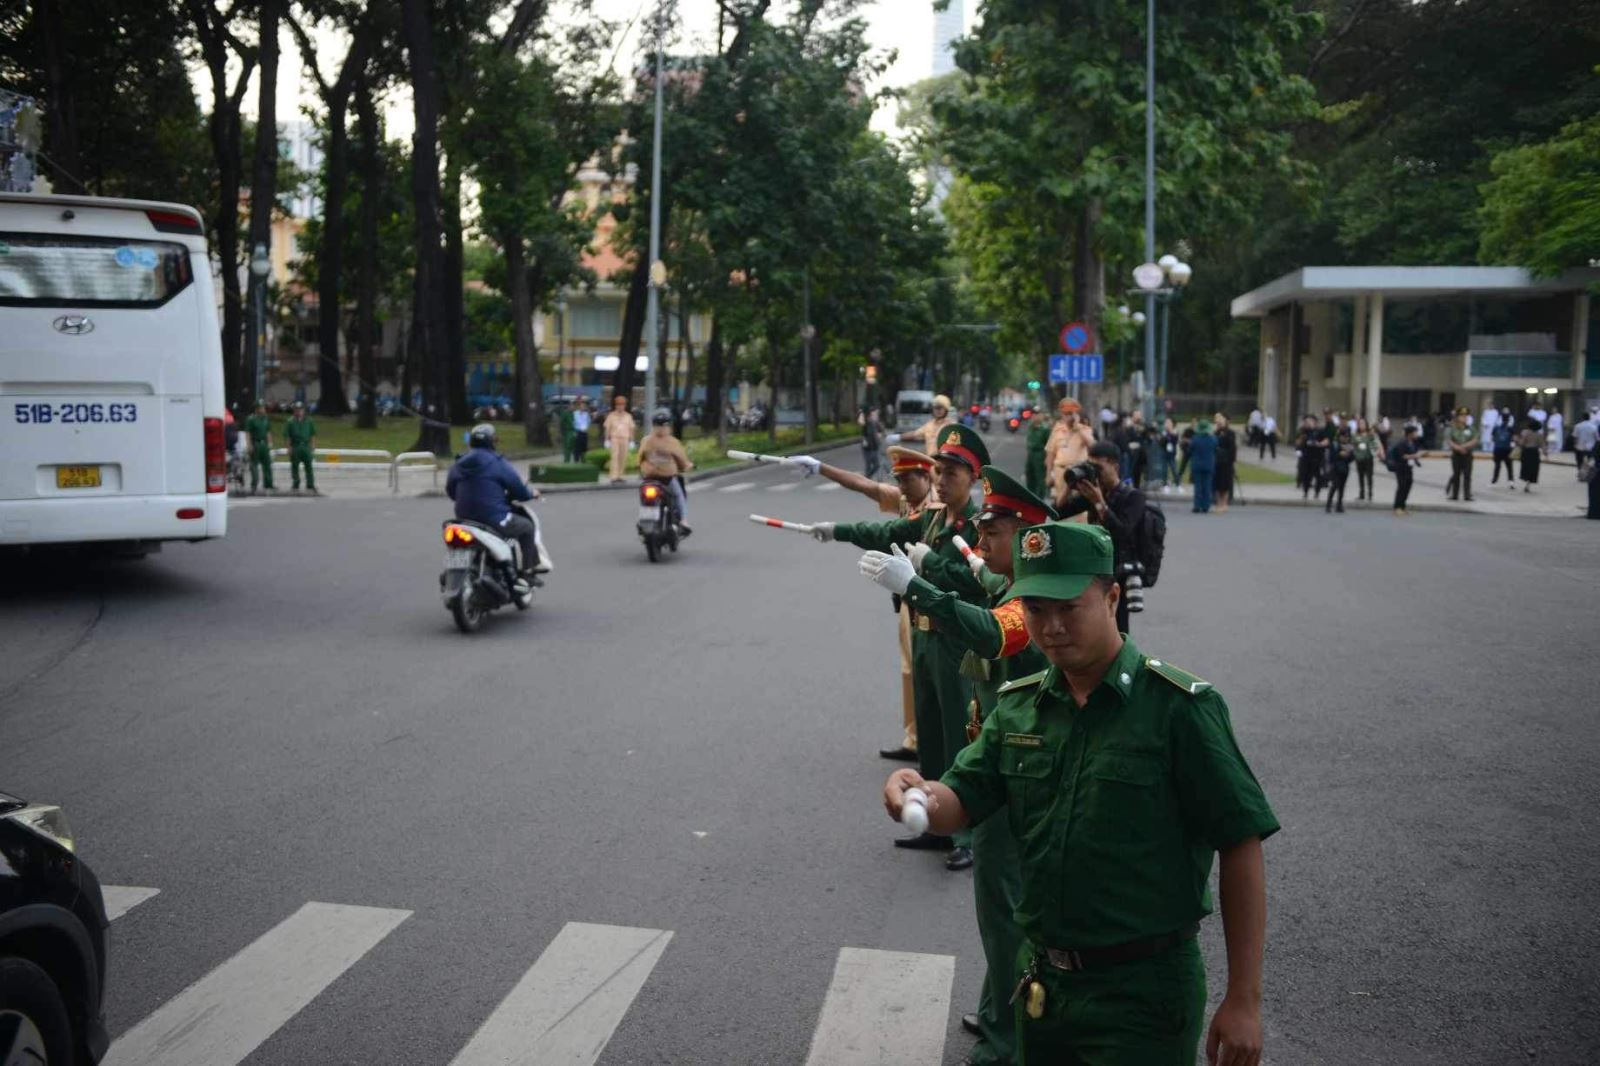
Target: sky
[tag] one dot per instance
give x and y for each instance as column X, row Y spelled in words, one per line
column 902, row 26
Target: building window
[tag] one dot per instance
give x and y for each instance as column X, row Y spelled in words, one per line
column 594, row 319
column 1423, row 327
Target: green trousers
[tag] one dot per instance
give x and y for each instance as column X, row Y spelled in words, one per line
column 941, row 697
column 566, row 447
column 1033, row 474
column 1145, row 1013
column 996, row 890
column 300, row 454
column 260, row 466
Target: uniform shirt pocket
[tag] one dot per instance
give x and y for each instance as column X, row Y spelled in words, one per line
column 1030, row 784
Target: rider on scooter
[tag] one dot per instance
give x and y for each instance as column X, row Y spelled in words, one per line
column 662, row 458
column 483, row 485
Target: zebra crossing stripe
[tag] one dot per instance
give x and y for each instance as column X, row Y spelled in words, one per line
column 832, row 486
column 120, row 899
column 227, row 1014
column 738, row 487
column 884, row 1008
column 565, row 1008
column 788, row 486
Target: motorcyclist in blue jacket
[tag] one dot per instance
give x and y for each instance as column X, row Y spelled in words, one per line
column 483, row 486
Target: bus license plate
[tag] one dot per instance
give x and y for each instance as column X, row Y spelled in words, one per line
column 457, row 558
column 77, row 477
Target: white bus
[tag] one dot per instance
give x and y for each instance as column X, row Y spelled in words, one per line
column 111, row 395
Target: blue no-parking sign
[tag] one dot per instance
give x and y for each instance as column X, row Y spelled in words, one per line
column 1091, row 367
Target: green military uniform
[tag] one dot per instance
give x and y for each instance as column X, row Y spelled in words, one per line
column 1460, row 462
column 939, row 691
column 300, row 432
column 564, row 420
column 259, row 426
column 1038, row 439
column 1117, row 807
column 997, row 649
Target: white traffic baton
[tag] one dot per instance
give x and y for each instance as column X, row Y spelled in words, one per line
column 778, row 523
column 974, row 560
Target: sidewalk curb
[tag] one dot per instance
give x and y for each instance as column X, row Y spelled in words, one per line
column 1413, row 506
column 706, row 475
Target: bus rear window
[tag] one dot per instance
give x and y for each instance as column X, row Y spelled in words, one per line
column 37, row 270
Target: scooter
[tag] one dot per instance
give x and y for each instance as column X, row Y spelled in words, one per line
column 656, row 527
column 480, row 573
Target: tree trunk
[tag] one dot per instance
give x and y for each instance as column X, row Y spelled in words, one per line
column 716, row 391
column 264, row 167
column 838, row 389
column 367, row 267
column 1089, row 283
column 61, row 111
column 453, row 289
column 522, row 335
column 730, row 360
column 772, row 373
column 331, row 262
column 632, row 327
column 427, row 313
column 683, row 400
column 536, row 420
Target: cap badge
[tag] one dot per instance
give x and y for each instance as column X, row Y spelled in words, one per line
column 955, row 438
column 988, row 489
column 1035, row 545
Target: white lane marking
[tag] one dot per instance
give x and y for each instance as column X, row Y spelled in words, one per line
column 884, row 1008
column 120, row 899
column 227, row 1014
column 831, row 486
column 739, row 487
column 565, row 1008
column 787, row 486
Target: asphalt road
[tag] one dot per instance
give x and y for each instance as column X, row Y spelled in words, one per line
column 288, row 717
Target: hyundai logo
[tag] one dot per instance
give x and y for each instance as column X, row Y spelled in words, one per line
column 76, row 325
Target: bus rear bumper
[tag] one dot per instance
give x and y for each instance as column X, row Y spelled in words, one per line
column 93, row 519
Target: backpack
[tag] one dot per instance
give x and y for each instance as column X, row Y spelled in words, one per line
column 1152, row 541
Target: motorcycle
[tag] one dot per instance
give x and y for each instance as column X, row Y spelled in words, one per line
column 983, row 420
column 1013, row 424
column 656, row 527
column 480, row 573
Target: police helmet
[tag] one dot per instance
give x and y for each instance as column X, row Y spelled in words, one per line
column 482, row 436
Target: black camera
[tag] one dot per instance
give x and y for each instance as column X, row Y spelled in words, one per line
column 1088, row 470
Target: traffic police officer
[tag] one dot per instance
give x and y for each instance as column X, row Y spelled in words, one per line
column 259, row 426
column 1462, row 439
column 938, row 687
column 1119, row 776
column 302, row 434
column 997, row 648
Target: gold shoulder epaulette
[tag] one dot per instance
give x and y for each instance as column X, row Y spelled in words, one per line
column 1182, row 678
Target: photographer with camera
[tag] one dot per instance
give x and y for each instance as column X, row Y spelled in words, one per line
column 1138, row 530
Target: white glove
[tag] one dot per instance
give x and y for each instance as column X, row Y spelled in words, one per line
column 823, row 531
column 810, row 464
column 893, row 572
column 916, row 553
column 892, row 438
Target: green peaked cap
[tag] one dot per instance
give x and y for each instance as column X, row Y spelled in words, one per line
column 1004, row 495
column 962, row 444
column 1058, row 560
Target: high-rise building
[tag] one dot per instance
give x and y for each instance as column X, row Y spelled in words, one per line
column 947, row 26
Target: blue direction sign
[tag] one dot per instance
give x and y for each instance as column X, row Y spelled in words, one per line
column 1090, row 366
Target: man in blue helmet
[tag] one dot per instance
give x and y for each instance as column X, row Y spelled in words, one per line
column 484, row 486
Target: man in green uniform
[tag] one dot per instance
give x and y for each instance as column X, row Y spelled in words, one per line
column 1462, row 439
column 259, row 426
column 1038, row 437
column 302, row 434
column 1119, row 776
column 940, row 692
column 997, row 649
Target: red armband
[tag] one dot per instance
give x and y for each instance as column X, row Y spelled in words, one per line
column 1013, row 634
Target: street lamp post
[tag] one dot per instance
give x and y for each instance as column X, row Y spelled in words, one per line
column 1177, row 274
column 260, row 267
column 658, row 270
column 1160, row 281
column 561, row 339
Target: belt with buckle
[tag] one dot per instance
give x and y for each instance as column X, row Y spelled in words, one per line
column 923, row 622
column 1074, row 959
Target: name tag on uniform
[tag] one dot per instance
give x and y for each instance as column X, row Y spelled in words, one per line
column 1022, row 740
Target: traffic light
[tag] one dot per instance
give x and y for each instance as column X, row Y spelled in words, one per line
column 1034, row 385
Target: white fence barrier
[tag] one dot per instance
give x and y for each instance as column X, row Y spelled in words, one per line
column 342, row 456
column 394, row 467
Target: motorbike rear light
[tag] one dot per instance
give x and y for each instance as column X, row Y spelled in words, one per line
column 652, row 493
column 457, row 535
column 1027, row 415
column 974, row 408
column 1015, row 423
column 216, row 457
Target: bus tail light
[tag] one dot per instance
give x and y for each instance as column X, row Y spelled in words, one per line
column 216, row 456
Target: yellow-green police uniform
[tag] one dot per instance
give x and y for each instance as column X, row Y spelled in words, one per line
column 1118, row 807
column 1461, row 461
column 300, row 432
column 940, row 692
column 997, row 648
column 260, row 428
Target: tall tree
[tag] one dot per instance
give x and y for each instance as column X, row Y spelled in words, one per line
column 428, row 344
column 264, row 164
column 220, row 48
